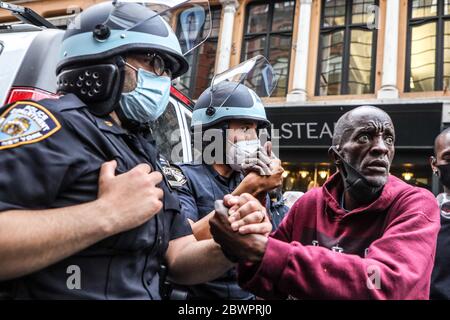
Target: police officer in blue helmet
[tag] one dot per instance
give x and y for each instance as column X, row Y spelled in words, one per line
column 85, row 210
column 240, row 164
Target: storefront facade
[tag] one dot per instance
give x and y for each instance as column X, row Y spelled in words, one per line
column 330, row 56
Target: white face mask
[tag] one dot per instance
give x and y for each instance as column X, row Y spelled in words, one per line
column 241, row 151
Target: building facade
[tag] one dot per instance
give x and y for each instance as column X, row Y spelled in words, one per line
column 330, row 55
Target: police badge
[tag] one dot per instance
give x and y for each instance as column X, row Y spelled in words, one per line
column 24, row 123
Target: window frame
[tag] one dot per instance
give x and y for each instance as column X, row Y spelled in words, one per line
column 348, row 26
column 269, row 32
column 440, row 20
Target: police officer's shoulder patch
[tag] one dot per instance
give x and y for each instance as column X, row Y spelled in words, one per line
column 26, row 122
column 174, row 176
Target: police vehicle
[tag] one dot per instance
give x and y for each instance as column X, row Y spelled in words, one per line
column 28, row 57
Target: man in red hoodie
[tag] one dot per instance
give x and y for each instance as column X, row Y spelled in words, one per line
column 364, row 234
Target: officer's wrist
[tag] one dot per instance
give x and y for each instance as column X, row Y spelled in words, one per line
column 252, row 184
column 103, row 217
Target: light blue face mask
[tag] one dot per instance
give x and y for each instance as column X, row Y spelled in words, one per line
column 150, row 98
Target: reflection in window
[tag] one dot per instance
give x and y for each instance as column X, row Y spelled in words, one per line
column 167, row 134
column 447, row 54
column 346, row 62
column 268, row 32
column 424, row 8
column 202, row 60
column 188, row 117
column 360, row 67
column 423, row 57
column 428, row 63
column 334, row 13
column 332, row 53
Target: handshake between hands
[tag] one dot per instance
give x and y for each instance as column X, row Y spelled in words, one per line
column 241, row 227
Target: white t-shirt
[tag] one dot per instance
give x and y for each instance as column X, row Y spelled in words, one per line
column 443, row 200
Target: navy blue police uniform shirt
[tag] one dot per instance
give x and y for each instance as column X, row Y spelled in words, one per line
column 204, row 186
column 51, row 153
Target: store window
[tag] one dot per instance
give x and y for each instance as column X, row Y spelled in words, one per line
column 347, row 47
column 268, row 32
column 202, row 60
column 418, row 175
column 428, row 46
column 305, row 176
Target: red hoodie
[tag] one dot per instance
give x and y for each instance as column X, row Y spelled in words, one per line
column 382, row 251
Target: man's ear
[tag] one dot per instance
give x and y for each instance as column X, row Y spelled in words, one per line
column 433, row 162
column 332, row 154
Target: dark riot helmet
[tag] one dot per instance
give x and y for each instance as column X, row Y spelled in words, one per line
column 91, row 64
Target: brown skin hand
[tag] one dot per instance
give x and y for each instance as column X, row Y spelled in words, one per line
column 240, row 248
column 368, row 145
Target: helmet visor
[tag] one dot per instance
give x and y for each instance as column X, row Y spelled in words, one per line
column 191, row 19
column 256, row 73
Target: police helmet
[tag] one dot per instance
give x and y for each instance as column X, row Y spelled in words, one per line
column 91, row 64
column 228, row 101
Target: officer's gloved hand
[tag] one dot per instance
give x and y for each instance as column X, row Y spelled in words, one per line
column 237, row 242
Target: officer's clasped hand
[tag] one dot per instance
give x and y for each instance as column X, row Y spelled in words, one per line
column 259, row 161
column 129, row 199
column 247, row 215
column 242, row 233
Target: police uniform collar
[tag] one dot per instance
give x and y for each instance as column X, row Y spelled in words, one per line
column 234, row 177
column 66, row 102
column 131, row 125
column 107, row 123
